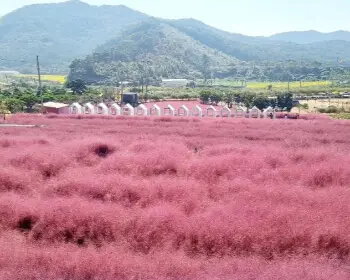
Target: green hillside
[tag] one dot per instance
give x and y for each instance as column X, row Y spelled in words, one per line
column 265, row 49
column 190, row 49
column 58, row 32
column 152, row 46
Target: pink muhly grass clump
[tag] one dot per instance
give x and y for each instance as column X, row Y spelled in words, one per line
column 89, row 197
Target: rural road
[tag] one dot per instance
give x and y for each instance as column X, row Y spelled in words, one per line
column 21, row 125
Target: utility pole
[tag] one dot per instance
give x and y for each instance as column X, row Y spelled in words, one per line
column 39, row 77
column 120, row 79
column 122, row 94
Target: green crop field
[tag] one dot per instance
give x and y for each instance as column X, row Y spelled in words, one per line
column 265, row 85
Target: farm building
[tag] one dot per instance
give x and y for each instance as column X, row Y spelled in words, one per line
column 175, row 83
column 131, row 98
column 55, row 108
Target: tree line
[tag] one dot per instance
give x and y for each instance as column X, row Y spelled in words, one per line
column 23, row 97
column 283, row 100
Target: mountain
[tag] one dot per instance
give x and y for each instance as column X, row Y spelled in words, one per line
column 59, row 32
column 168, row 51
column 191, row 49
column 101, row 40
column 308, row 37
column 264, row 49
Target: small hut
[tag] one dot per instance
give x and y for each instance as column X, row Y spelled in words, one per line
column 141, row 110
column 76, row 108
column 115, row 109
column 254, row 113
column 171, row 110
column 211, row 112
column 89, row 108
column 197, row 111
column 225, row 112
column 128, row 110
column 55, row 108
column 269, row 113
column 240, row 112
column 155, row 110
column 183, row 111
column 102, row 109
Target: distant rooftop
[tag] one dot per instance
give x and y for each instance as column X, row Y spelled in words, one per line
column 55, row 105
column 9, row 72
column 174, row 80
column 130, row 93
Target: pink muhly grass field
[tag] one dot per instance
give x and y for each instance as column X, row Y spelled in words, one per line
column 174, row 198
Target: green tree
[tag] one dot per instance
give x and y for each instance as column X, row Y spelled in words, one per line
column 285, row 100
column 3, row 108
column 262, row 102
column 29, row 101
column 247, row 99
column 228, row 98
column 14, row 105
column 6, row 93
column 78, row 86
column 49, row 97
column 91, row 95
column 204, row 96
column 216, row 97
column 58, row 91
column 205, row 68
column 108, row 94
column 136, row 90
column 67, row 98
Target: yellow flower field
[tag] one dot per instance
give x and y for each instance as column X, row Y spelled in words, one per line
column 292, row 84
column 51, row 78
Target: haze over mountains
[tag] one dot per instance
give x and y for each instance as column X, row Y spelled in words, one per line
column 312, row 36
column 109, row 35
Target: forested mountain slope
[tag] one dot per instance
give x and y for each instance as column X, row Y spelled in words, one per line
column 264, row 49
column 191, row 49
column 152, row 46
column 59, row 32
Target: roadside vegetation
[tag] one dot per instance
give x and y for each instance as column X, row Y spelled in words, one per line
column 21, row 94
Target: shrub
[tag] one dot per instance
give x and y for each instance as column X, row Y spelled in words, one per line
column 329, row 110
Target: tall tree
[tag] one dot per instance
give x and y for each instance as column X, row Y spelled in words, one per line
column 285, row 100
column 14, row 105
column 205, row 68
column 29, row 101
column 77, row 86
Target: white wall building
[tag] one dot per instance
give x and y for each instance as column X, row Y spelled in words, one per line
column 174, row 83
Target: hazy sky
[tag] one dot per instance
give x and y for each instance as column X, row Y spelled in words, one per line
column 251, row 17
